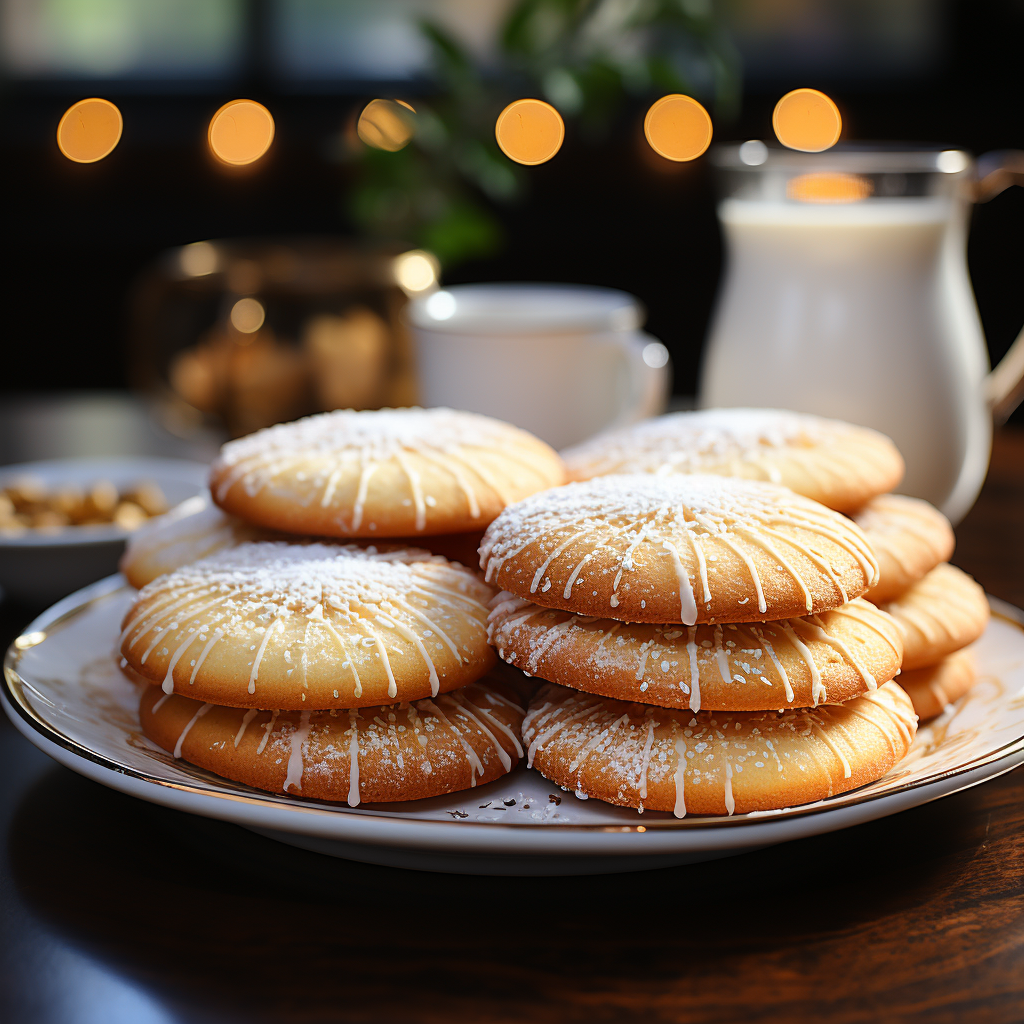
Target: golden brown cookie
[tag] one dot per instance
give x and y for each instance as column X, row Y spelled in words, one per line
column 197, row 528
column 680, row 548
column 909, row 538
column 191, row 531
column 763, row 666
column 933, row 689
column 714, row 762
column 299, row 626
column 938, row 615
column 836, row 463
column 363, row 755
column 389, row 473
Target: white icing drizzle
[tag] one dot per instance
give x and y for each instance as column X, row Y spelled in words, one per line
column 702, row 568
column 217, row 635
column 778, row 667
column 691, row 651
column 174, row 624
column 611, row 517
column 796, row 449
column 168, row 682
column 567, row 592
column 246, row 719
column 824, row 737
column 366, row 471
column 578, row 761
column 188, row 727
column 787, row 565
column 268, row 594
column 459, row 475
column 817, row 689
column 721, row 659
column 310, row 459
column 353, row 758
column 475, row 764
column 680, row 779
column 540, row 738
column 259, row 655
column 762, row 605
column 152, row 612
column 293, row 778
column 817, row 630
column 267, row 730
column 332, row 483
column 539, row 574
column 687, row 602
column 862, row 612
column 411, row 636
column 475, row 715
column 645, row 759
column 707, row 748
column 417, row 490
column 559, row 645
column 552, row 636
column 493, row 722
column 190, row 638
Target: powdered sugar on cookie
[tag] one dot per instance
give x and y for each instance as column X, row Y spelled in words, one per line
column 608, row 537
column 330, row 614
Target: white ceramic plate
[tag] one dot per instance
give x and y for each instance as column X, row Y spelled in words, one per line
column 64, row 692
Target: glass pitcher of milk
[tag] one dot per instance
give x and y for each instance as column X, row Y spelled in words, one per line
column 846, row 294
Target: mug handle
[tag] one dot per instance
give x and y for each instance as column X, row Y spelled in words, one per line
column 647, row 382
column 1004, row 386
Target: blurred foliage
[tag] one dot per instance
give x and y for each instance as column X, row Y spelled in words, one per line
column 588, row 58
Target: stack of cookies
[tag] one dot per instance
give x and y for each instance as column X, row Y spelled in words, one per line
column 288, row 652
column 705, row 642
column 939, row 609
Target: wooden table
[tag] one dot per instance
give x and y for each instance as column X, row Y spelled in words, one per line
column 115, row 910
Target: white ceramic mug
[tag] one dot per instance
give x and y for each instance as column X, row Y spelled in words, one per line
column 562, row 361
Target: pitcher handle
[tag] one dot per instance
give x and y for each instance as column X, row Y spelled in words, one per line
column 1004, row 387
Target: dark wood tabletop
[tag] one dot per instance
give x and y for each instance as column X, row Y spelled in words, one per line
column 116, row 910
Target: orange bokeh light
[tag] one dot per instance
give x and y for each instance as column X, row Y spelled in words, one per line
column 386, row 125
column 829, row 187
column 529, row 131
column 678, row 128
column 807, row 120
column 89, row 130
column 241, row 132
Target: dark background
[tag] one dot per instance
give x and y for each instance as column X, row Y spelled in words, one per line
column 77, row 236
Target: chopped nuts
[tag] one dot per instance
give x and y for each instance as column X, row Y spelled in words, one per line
column 26, row 503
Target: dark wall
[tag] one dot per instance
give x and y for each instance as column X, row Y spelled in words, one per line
column 77, row 235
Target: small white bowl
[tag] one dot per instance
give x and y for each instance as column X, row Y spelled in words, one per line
column 37, row 568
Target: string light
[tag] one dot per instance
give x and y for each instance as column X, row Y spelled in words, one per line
column 416, row 271
column 678, row 128
column 808, row 120
column 241, row 132
column 529, row 131
column 89, row 130
column 198, row 259
column 386, row 125
column 247, row 316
